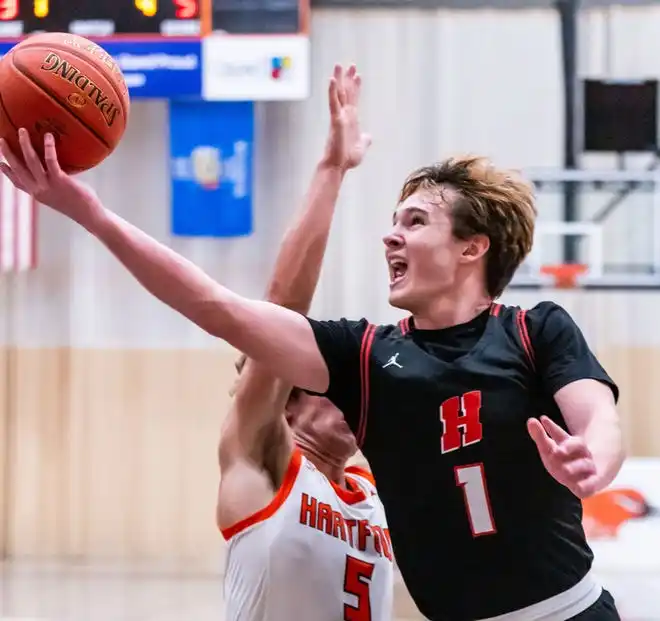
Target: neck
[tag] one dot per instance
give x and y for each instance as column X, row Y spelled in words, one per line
column 454, row 307
column 332, row 468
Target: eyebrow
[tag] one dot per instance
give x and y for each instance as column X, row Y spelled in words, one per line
column 410, row 210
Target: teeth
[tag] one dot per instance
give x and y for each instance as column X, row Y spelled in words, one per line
column 398, row 268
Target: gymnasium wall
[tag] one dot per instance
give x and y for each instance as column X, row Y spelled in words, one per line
column 112, row 403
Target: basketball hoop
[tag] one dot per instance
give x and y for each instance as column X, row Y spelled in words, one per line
column 565, row 276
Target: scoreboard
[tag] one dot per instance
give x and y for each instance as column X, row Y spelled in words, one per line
column 101, row 18
column 264, row 17
column 220, row 50
column 139, row 18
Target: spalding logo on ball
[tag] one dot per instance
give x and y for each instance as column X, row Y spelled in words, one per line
column 89, row 90
column 66, row 85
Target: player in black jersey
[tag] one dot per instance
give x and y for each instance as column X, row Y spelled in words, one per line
column 484, row 425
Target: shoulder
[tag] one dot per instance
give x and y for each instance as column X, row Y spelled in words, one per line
column 339, row 328
column 547, row 310
column 359, row 329
column 544, row 315
column 362, row 473
column 366, row 483
column 548, row 320
column 397, row 330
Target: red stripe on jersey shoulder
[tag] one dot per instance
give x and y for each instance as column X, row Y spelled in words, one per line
column 352, row 493
column 365, row 356
column 524, row 336
column 361, row 472
column 404, row 326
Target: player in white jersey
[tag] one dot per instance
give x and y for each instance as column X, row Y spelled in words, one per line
column 307, row 536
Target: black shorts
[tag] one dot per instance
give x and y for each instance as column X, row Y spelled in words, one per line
column 602, row 610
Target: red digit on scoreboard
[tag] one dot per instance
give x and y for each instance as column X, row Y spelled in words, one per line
column 8, row 10
column 186, row 9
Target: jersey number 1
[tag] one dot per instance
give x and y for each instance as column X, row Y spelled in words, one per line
column 357, row 580
column 472, row 479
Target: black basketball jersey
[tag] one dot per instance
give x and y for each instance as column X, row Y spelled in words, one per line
column 479, row 528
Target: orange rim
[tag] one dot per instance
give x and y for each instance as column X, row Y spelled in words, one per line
column 565, row 276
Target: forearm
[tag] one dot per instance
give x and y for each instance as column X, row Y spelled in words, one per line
column 278, row 338
column 168, row 276
column 299, row 261
column 260, row 396
column 604, row 438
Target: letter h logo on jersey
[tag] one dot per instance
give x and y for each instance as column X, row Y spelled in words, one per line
column 461, row 425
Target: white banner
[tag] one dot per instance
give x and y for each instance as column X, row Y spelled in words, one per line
column 255, row 68
column 623, row 527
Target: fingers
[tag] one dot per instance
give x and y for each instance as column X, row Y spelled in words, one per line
column 353, row 86
column 573, row 448
column 9, row 173
column 567, row 458
column 333, row 98
column 31, row 158
column 28, row 174
column 580, row 469
column 544, row 443
column 588, row 487
column 558, row 434
column 341, row 87
column 50, row 156
column 20, row 172
column 348, row 85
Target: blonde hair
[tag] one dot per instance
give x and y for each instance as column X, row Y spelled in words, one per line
column 493, row 202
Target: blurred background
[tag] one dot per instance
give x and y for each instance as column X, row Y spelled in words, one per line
column 111, row 404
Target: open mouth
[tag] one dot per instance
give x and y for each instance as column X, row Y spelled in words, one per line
column 398, row 271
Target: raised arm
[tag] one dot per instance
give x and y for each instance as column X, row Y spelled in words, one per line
column 279, row 338
column 255, row 422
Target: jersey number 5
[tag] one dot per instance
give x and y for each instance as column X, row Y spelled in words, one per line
column 357, row 580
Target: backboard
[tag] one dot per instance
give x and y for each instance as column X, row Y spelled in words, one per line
column 618, row 228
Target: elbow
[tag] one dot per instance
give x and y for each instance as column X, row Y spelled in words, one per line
column 609, row 453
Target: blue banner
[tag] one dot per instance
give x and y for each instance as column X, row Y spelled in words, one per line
column 159, row 68
column 211, row 147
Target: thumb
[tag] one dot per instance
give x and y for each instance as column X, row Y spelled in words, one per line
column 365, row 140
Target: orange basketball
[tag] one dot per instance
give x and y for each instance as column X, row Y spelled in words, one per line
column 68, row 86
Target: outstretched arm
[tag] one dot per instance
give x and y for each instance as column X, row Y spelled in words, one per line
column 255, row 422
column 279, row 338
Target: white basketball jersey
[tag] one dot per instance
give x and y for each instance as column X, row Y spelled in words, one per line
column 317, row 552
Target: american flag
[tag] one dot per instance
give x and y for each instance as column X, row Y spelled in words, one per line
column 18, row 229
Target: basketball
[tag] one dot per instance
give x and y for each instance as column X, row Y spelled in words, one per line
column 66, row 85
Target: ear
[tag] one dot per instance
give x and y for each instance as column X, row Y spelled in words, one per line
column 475, row 248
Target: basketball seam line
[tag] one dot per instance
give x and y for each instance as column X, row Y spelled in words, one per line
column 53, row 97
column 74, row 52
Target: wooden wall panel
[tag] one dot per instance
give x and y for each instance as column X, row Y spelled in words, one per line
column 112, row 453
column 637, row 372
